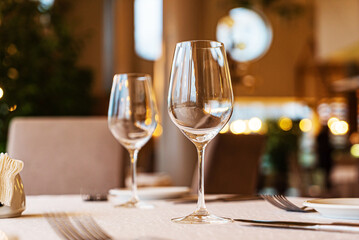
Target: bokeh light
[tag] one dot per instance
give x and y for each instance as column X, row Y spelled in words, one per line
column 158, row 131
column 354, row 150
column 247, row 131
column 238, row 127
column 224, row 129
column 11, row 50
column 12, row 73
column 305, row 125
column 285, row 123
column 332, row 120
column 1, row 93
column 339, row 127
column 148, row 121
column 12, row 108
column 255, row 124
column 354, row 138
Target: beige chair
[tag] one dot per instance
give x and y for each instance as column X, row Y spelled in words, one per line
column 231, row 164
column 63, row 155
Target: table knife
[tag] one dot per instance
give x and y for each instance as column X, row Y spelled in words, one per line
column 332, row 227
column 235, row 197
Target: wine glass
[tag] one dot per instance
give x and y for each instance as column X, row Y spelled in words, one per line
column 200, row 103
column 132, row 119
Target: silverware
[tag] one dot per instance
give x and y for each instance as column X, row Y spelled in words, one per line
column 282, row 202
column 332, row 227
column 94, row 197
column 93, row 194
column 236, row 197
column 78, row 228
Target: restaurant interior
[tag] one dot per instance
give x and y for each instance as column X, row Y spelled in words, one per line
column 294, row 68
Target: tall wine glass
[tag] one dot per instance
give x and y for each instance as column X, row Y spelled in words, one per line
column 200, row 103
column 132, row 119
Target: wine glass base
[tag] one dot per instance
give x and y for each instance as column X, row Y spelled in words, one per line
column 196, row 218
column 139, row 205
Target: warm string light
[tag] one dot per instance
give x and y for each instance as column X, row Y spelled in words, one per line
column 305, row 125
column 354, row 150
column 340, row 128
column 255, row 125
column 12, row 108
column 13, row 73
column 285, row 123
column 247, row 131
column 331, row 121
column 239, row 126
column 337, row 126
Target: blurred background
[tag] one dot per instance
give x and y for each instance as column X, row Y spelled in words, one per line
column 294, row 68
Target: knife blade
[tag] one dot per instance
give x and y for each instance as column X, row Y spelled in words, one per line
column 332, row 227
column 230, row 198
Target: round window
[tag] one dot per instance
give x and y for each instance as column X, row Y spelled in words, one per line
column 245, row 33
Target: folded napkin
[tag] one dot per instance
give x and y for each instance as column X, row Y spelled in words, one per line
column 9, row 168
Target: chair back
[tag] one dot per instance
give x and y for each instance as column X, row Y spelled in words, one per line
column 231, row 164
column 64, row 155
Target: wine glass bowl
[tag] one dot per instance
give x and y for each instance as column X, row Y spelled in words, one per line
column 200, row 103
column 132, row 119
column 200, row 125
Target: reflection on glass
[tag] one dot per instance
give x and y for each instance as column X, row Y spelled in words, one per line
column 132, row 119
column 200, row 103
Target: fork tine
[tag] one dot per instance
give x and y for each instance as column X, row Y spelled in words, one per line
column 76, row 228
column 282, row 202
column 285, row 203
column 297, row 207
column 98, row 228
column 276, row 203
column 288, row 203
column 64, row 226
column 61, row 232
column 86, row 229
column 271, row 200
column 65, row 221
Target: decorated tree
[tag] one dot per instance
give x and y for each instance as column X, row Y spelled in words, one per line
column 38, row 71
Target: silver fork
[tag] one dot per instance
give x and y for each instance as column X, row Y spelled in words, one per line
column 282, row 202
column 76, row 228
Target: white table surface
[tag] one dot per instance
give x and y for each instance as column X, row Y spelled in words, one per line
column 155, row 223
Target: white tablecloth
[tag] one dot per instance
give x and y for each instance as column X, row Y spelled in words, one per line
column 155, row 223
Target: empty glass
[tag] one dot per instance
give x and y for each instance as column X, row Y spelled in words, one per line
column 132, row 119
column 200, row 101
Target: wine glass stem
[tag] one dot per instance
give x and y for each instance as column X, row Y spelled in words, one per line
column 133, row 155
column 201, row 206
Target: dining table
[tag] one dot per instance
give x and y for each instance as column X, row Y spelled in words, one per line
column 156, row 224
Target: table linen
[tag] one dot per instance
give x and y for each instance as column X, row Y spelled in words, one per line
column 155, row 224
